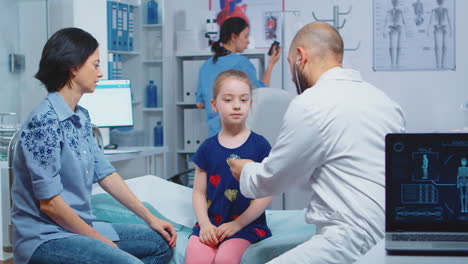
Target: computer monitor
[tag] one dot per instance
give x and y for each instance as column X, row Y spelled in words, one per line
column 110, row 105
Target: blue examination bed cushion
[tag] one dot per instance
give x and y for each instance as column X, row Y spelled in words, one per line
column 288, row 228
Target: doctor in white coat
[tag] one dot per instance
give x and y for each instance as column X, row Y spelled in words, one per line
column 332, row 139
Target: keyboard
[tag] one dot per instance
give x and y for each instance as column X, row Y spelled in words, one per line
column 430, row 237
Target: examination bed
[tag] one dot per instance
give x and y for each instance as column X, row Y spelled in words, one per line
column 173, row 202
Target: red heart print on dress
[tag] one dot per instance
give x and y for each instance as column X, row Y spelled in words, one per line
column 260, row 232
column 218, row 219
column 215, row 179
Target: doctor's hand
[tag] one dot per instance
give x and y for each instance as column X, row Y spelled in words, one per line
column 200, row 105
column 227, row 229
column 165, row 229
column 237, row 165
column 208, row 235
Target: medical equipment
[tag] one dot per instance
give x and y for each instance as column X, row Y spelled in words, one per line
column 298, row 83
column 110, row 105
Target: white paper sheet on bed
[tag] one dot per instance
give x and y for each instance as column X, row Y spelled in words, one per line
column 174, row 201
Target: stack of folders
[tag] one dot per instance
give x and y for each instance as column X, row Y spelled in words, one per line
column 115, row 66
column 120, row 26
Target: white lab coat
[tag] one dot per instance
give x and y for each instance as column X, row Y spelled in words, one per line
column 332, row 139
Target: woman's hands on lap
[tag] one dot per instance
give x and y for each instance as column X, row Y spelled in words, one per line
column 165, row 229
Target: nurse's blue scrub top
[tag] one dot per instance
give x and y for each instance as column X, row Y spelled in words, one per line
column 206, row 78
column 56, row 155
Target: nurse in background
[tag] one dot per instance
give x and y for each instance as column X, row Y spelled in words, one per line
column 234, row 38
column 57, row 161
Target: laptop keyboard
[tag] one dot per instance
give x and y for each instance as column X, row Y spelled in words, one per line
column 429, row 237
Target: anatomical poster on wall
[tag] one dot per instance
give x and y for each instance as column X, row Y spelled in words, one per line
column 414, row 35
column 264, row 17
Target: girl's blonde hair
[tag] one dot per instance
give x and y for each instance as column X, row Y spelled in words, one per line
column 232, row 73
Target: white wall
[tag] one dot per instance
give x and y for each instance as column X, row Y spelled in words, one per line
column 32, row 30
column 9, row 44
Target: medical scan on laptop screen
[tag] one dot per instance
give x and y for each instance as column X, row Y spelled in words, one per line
column 427, row 182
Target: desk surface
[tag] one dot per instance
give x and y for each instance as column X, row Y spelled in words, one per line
column 378, row 254
column 131, row 154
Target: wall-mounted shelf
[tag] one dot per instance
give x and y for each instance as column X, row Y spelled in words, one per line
column 152, row 61
column 152, row 109
column 151, row 26
column 133, row 53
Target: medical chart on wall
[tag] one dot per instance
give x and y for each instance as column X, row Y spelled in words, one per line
column 264, row 17
column 414, row 35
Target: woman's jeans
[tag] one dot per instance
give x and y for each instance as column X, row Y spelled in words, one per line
column 137, row 244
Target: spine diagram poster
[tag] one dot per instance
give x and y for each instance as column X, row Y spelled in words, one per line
column 414, row 35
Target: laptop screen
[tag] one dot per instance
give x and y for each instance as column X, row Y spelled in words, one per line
column 426, row 182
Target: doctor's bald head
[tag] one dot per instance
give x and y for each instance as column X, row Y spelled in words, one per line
column 321, row 39
column 315, row 48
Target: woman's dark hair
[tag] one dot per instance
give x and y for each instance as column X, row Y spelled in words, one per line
column 231, row 25
column 66, row 49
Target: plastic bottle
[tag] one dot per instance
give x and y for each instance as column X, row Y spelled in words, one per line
column 158, row 134
column 151, row 94
column 152, row 12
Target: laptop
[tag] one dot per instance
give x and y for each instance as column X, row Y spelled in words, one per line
column 426, row 192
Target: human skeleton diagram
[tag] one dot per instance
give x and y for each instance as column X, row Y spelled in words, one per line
column 462, row 185
column 440, row 21
column 394, row 23
column 424, row 167
column 418, row 12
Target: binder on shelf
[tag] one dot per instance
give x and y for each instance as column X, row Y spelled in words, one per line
column 112, row 14
column 190, row 69
column 195, row 129
column 115, row 73
column 119, row 66
column 131, row 27
column 110, row 66
column 124, row 26
column 119, row 27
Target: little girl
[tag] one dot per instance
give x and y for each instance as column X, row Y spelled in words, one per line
column 228, row 222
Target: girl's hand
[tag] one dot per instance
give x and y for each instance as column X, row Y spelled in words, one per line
column 227, row 229
column 166, row 230
column 208, row 235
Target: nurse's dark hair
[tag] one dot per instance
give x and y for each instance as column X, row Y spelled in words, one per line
column 232, row 73
column 231, row 25
column 66, row 49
